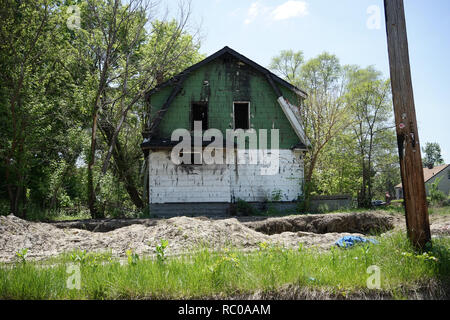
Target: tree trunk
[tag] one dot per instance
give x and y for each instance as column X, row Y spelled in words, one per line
column 308, row 182
column 92, row 202
column 122, row 166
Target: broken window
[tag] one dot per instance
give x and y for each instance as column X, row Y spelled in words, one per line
column 241, row 115
column 200, row 113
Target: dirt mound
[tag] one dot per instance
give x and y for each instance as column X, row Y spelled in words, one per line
column 102, row 225
column 367, row 223
column 440, row 225
column 184, row 234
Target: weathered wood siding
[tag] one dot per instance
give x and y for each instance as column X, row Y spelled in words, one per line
column 248, row 184
column 170, row 183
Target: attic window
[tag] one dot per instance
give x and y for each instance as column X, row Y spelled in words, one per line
column 200, row 113
column 241, row 113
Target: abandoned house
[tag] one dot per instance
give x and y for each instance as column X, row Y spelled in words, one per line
column 225, row 91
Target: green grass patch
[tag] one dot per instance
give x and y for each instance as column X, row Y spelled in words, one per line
column 231, row 272
column 439, row 210
column 37, row 215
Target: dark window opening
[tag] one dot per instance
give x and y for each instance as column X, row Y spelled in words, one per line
column 242, row 115
column 200, row 113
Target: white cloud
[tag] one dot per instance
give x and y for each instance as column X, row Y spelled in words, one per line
column 287, row 10
column 256, row 9
column 290, row 9
column 236, row 12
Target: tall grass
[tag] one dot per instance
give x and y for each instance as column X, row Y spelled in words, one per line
column 231, row 272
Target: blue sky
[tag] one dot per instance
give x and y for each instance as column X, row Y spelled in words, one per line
column 260, row 29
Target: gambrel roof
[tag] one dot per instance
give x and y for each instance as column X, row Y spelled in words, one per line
column 177, row 81
column 237, row 55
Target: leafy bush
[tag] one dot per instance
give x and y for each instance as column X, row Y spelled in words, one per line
column 446, row 203
column 22, row 255
column 244, row 208
column 132, row 257
column 437, row 196
column 160, row 251
column 276, row 195
column 92, row 259
column 4, row 208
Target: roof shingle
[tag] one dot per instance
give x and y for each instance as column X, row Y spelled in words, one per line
column 429, row 173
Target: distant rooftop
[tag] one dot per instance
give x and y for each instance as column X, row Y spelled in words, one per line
column 430, row 173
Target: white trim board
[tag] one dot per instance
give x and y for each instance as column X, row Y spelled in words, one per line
column 294, row 121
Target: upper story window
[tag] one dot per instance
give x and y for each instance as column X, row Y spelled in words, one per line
column 199, row 112
column 241, row 114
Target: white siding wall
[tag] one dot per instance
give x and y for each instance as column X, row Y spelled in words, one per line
column 248, row 184
column 170, row 183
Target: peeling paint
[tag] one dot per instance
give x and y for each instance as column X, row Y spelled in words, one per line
column 170, row 183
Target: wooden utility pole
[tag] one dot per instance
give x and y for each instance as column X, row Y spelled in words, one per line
column 414, row 193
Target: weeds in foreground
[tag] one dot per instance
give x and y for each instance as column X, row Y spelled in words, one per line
column 160, row 251
column 205, row 273
column 21, row 255
column 132, row 257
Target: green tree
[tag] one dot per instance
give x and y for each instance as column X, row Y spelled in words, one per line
column 370, row 102
column 288, row 64
column 433, row 155
column 59, row 83
column 127, row 53
column 37, row 102
column 324, row 113
column 437, row 196
column 337, row 171
column 348, row 120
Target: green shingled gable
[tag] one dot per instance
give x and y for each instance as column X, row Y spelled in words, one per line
column 228, row 80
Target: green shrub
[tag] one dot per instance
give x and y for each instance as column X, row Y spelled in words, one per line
column 244, row 208
column 446, row 203
column 276, row 195
column 22, row 255
column 161, row 251
column 132, row 257
column 4, row 207
column 437, row 196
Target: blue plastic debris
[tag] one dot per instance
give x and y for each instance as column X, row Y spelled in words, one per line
column 349, row 241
